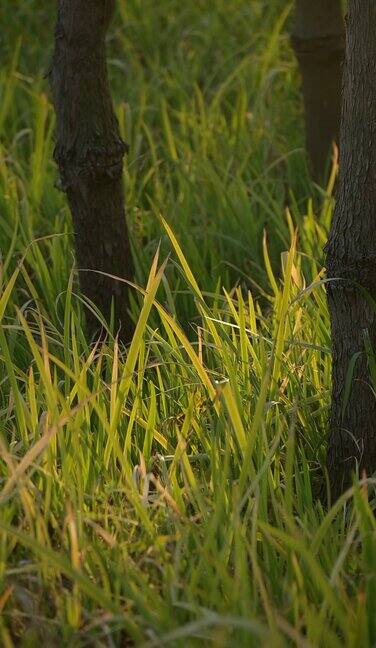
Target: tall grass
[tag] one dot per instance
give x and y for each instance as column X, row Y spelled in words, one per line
column 167, row 494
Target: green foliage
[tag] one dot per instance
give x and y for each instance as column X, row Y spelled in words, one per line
column 167, row 494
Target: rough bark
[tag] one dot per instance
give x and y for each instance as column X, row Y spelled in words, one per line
column 89, row 152
column 351, row 257
column 318, row 41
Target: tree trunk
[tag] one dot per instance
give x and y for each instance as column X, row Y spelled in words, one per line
column 89, row 152
column 318, row 41
column 351, row 259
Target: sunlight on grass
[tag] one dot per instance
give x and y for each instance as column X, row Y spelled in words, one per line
column 168, row 493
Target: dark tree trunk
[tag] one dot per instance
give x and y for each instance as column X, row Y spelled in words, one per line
column 89, row 152
column 318, row 41
column 351, row 258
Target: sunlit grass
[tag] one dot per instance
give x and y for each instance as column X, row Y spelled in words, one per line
column 168, row 493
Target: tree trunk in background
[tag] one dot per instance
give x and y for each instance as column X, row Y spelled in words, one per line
column 89, row 152
column 351, row 258
column 318, row 41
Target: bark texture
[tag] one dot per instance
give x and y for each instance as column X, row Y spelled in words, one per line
column 319, row 43
column 89, row 152
column 351, row 257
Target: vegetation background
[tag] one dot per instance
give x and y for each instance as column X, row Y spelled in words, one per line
column 167, row 495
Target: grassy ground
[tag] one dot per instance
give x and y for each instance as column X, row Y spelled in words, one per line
column 167, row 495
